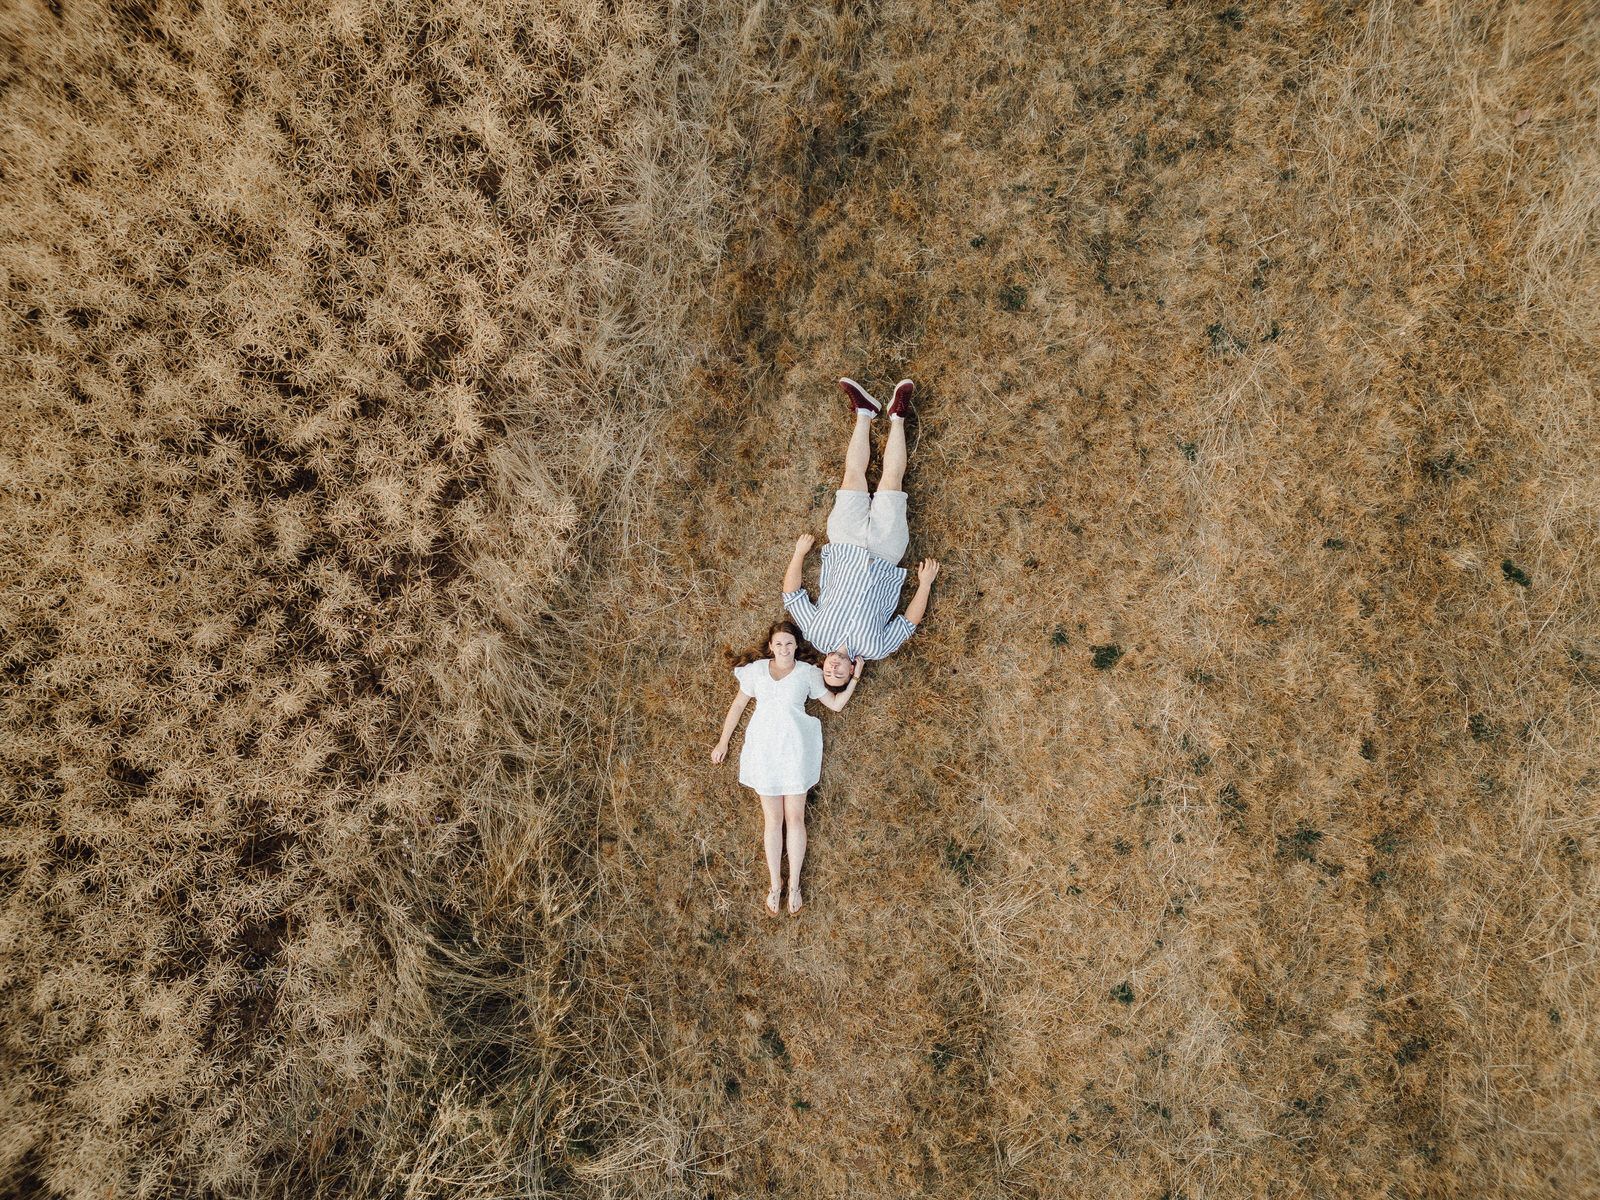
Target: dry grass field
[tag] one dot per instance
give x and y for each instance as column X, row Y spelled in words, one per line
column 405, row 404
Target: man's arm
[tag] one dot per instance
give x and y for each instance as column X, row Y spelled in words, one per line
column 792, row 578
column 927, row 572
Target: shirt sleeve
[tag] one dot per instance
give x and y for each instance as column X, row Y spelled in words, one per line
column 798, row 605
column 818, row 689
column 742, row 674
column 895, row 634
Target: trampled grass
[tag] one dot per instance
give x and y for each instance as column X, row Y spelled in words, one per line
column 408, row 403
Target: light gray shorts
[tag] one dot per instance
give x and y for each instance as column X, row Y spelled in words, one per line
column 876, row 521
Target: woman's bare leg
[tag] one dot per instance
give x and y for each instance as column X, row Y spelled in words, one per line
column 894, row 457
column 772, row 838
column 858, row 455
column 794, row 817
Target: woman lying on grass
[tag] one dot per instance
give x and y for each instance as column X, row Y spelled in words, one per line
column 782, row 756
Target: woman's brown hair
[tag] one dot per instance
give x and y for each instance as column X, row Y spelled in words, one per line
column 802, row 652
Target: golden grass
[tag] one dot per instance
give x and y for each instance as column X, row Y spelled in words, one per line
column 325, row 343
column 407, row 404
column 1253, row 342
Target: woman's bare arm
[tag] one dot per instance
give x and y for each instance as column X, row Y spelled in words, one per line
column 729, row 724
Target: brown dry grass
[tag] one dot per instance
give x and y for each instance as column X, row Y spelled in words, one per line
column 410, row 404
column 324, row 354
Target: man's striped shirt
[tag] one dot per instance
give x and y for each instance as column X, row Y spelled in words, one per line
column 855, row 604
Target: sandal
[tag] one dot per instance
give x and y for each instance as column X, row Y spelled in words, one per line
column 772, row 901
column 794, row 909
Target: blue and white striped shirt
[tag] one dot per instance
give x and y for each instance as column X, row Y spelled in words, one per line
column 855, row 604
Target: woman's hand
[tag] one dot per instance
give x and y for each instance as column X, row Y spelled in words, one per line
column 720, row 753
column 803, row 544
column 927, row 571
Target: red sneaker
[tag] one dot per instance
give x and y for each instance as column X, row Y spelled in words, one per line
column 900, row 406
column 860, row 401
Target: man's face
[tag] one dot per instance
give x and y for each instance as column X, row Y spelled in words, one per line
column 837, row 669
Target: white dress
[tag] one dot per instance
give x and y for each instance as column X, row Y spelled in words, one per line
column 782, row 753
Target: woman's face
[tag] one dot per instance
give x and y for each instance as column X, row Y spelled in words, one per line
column 782, row 647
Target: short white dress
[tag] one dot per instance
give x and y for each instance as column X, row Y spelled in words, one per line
column 782, row 753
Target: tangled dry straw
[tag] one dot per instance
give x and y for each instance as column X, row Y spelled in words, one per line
column 329, row 334
column 405, row 401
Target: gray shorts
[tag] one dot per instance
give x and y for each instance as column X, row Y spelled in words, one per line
column 876, row 521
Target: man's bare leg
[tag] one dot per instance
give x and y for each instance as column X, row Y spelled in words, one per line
column 894, row 454
column 858, row 455
column 894, row 457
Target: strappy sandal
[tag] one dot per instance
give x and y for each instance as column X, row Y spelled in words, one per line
column 772, row 902
column 794, row 909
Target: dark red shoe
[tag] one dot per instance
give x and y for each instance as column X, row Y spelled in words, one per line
column 860, row 401
column 900, row 406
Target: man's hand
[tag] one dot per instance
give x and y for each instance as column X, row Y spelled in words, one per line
column 927, row 571
column 861, row 663
column 794, row 573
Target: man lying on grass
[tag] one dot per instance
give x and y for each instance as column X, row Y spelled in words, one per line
column 853, row 616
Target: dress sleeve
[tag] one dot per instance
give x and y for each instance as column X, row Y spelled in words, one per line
column 746, row 684
column 816, row 688
column 895, row 634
